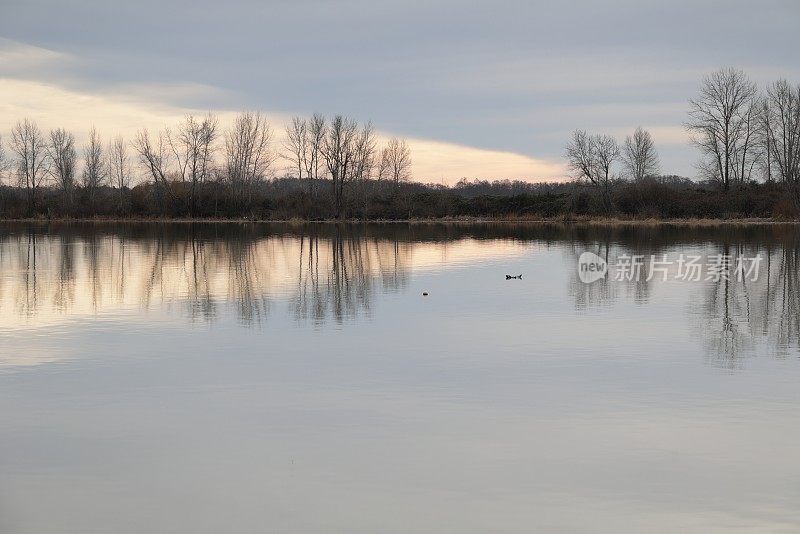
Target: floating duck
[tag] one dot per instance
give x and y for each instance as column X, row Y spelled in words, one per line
column 509, row 277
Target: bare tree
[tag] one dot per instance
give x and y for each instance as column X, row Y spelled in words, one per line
column 719, row 118
column 783, row 123
column 93, row 165
column 63, row 158
column 606, row 153
column 363, row 153
column 29, row 147
column 296, row 145
column 153, row 157
column 363, row 166
column 303, row 147
column 764, row 140
column 591, row 157
column 395, row 161
column 639, row 155
column 119, row 168
column 580, row 156
column 248, row 155
column 317, row 130
column 747, row 151
column 3, row 162
column 339, row 152
column 193, row 148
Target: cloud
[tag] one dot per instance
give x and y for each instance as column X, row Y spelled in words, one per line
column 20, row 60
column 506, row 76
column 53, row 106
column 436, row 161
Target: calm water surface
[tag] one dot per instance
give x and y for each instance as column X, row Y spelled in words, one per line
column 289, row 378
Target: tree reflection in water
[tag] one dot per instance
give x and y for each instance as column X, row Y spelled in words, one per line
column 330, row 272
column 327, row 271
column 731, row 315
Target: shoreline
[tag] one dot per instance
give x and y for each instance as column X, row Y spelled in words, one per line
column 599, row 221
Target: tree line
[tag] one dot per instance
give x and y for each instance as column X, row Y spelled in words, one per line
column 333, row 168
column 744, row 134
column 194, row 164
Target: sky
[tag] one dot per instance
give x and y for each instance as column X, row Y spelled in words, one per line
column 481, row 89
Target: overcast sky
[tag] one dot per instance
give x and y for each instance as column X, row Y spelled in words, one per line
column 483, row 89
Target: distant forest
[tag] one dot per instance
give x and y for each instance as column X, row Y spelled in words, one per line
column 749, row 167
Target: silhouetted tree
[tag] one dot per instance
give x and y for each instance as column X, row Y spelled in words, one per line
column 783, row 133
column 153, row 157
column 763, row 138
column 339, row 153
column 720, row 119
column 119, row 169
column 317, row 130
column 296, row 145
column 29, row 147
column 63, row 158
column 3, row 162
column 591, row 157
column 93, row 165
column 747, row 153
column 193, row 148
column 395, row 161
column 639, row 156
column 248, row 156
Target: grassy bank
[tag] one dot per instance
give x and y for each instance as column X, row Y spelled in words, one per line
column 565, row 220
column 664, row 199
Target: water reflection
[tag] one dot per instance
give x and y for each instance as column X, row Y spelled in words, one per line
column 295, row 375
column 731, row 315
column 327, row 272
column 740, row 312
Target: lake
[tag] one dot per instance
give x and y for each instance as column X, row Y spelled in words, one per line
column 211, row 378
